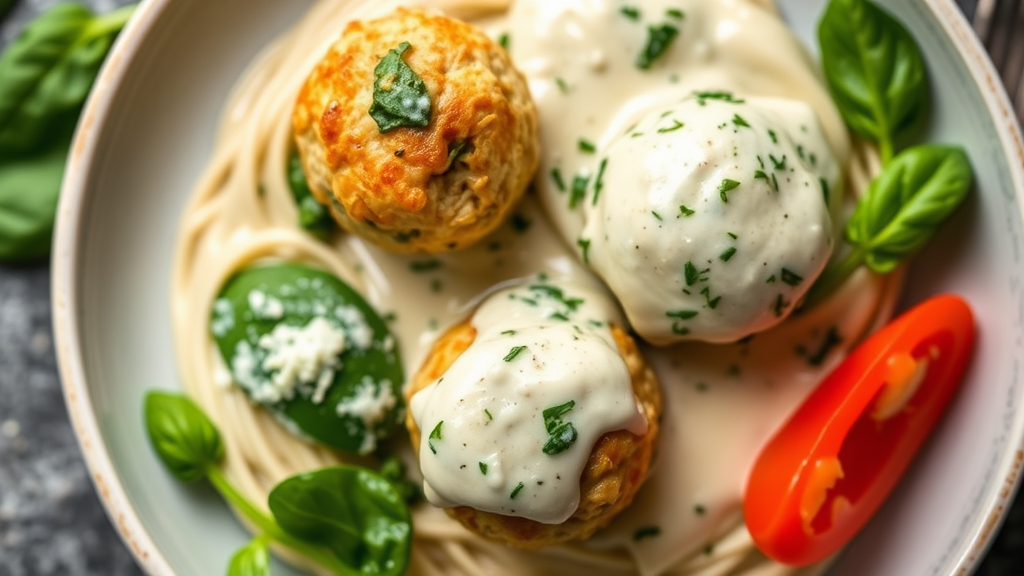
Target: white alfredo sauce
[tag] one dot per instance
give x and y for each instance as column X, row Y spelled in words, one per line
column 712, row 219
column 510, row 425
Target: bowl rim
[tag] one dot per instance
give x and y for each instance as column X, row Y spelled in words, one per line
column 66, row 278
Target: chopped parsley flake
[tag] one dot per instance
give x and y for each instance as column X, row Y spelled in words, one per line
column 685, row 211
column 503, row 40
column 727, row 254
column 703, row 97
column 631, row 12
column 772, row 135
column 483, row 467
column 515, row 351
column 435, row 434
column 780, row 164
column 725, row 186
column 711, row 302
column 659, row 38
column 561, row 434
column 676, row 125
column 656, row 215
column 599, row 182
column 425, row 265
column 675, row 13
column 690, row 273
column 584, row 244
column 646, row 532
column 738, row 121
column 556, row 176
column 682, row 314
column 791, row 278
column 488, row 414
column 586, row 146
column 562, row 85
column 515, row 491
column 824, row 189
column 579, row 190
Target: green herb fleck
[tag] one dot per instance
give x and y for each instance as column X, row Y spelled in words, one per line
column 832, row 339
column 435, row 434
column 520, row 223
column 724, row 187
column 599, row 182
column 691, row 273
column 699, row 510
column 685, row 211
column 579, row 190
column 779, row 306
column 703, row 97
column 515, row 351
column 504, row 40
column 586, row 146
column 727, row 254
column 682, row 314
column 584, row 244
column 515, row 491
column 738, row 121
column 659, row 38
column 771, row 134
column 400, row 98
column 563, row 87
column 779, row 164
column 824, row 189
column 675, row 13
column 483, row 469
column 425, row 265
column 676, row 125
column 556, row 175
column 711, row 302
column 770, row 280
column 646, row 532
column 456, row 149
column 791, row 278
column 508, row 332
column 631, row 12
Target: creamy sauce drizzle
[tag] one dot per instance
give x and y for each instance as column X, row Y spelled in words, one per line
column 509, row 426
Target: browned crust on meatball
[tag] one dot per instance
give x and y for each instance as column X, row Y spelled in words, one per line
column 398, row 189
column 616, row 468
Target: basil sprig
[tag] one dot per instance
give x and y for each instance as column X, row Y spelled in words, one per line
column 346, row 519
column 400, row 98
column 45, row 76
column 874, row 70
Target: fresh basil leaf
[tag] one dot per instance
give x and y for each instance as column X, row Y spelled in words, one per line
column 184, row 438
column 48, row 70
column 355, row 513
column 314, row 217
column 906, row 203
column 874, row 71
column 253, row 559
column 29, row 187
column 400, row 98
column 349, row 410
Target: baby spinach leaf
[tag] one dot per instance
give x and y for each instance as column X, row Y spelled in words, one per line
column 186, row 441
column 874, row 70
column 314, row 217
column 359, row 398
column 355, row 513
column 904, row 206
column 253, row 559
column 5, row 6
column 400, row 98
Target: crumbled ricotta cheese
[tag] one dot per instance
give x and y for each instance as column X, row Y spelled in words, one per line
column 359, row 332
column 370, row 404
column 264, row 306
column 223, row 317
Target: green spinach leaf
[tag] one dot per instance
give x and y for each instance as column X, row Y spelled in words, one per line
column 874, row 70
column 183, row 436
column 360, row 399
column 355, row 513
column 907, row 202
column 314, row 217
column 400, row 98
column 253, row 559
column 5, row 6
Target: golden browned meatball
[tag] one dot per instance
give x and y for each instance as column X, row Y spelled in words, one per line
column 417, row 131
column 614, row 471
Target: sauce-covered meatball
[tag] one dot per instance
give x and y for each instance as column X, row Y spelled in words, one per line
column 714, row 216
column 535, row 421
column 417, row 131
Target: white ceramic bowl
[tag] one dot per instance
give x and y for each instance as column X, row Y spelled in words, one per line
column 149, row 128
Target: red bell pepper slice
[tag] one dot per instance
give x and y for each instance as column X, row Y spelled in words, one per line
column 827, row 470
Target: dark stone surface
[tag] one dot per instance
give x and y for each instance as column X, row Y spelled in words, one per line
column 51, row 522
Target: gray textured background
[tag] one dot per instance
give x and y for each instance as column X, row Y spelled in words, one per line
column 51, row 522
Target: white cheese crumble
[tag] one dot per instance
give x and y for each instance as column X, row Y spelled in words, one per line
column 371, row 404
column 359, row 332
column 264, row 306
column 293, row 356
column 223, row 317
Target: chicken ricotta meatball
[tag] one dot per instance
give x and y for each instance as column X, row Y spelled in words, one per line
column 417, row 131
column 536, row 419
column 715, row 216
